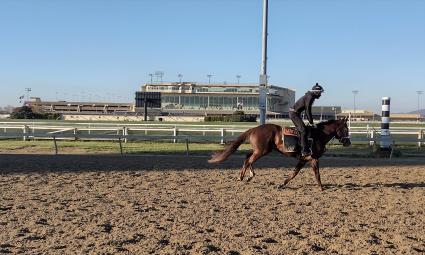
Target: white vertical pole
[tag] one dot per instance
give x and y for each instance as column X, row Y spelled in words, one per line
column 175, row 134
column 263, row 76
column 349, row 122
column 25, row 131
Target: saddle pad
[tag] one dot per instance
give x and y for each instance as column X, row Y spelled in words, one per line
column 289, row 131
column 291, row 143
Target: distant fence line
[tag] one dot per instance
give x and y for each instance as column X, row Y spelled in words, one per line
column 174, row 132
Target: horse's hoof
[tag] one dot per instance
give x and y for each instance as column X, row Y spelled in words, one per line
column 280, row 186
column 249, row 179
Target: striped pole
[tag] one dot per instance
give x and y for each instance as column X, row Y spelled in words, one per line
column 385, row 123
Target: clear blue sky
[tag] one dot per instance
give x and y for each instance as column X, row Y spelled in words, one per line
column 106, row 49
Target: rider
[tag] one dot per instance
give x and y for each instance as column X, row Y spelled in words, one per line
column 304, row 104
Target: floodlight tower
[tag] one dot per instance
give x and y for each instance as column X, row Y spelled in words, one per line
column 159, row 75
column 209, row 78
column 27, row 91
column 355, row 92
column 238, row 77
column 263, row 76
column 180, row 77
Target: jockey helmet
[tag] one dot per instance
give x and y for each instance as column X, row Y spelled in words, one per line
column 317, row 90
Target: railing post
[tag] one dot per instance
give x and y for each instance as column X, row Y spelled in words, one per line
column 372, row 141
column 125, row 133
column 187, row 147
column 75, row 134
column 56, row 145
column 175, row 132
column 222, row 136
column 119, row 140
column 420, row 135
column 25, row 131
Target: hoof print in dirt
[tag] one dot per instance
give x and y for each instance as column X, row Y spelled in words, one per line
column 107, row 227
column 269, row 240
column 23, row 232
column 316, row 247
column 163, row 242
column 41, row 222
column 256, row 247
column 233, row 253
column 35, row 238
column 210, row 249
column 293, row 232
column 373, row 239
column 121, row 249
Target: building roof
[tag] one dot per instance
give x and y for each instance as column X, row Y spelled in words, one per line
column 250, row 85
column 404, row 115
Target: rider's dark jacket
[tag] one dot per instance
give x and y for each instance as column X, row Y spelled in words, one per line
column 304, row 104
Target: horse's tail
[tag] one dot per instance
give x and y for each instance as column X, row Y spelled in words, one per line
column 221, row 156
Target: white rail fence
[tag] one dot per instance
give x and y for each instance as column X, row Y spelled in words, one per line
column 175, row 133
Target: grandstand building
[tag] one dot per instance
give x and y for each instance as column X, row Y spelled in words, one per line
column 78, row 107
column 191, row 98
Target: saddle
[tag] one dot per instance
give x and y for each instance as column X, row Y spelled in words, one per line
column 291, row 139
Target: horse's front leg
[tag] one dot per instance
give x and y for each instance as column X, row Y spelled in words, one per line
column 297, row 169
column 315, row 167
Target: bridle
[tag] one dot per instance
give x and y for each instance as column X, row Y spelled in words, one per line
column 341, row 139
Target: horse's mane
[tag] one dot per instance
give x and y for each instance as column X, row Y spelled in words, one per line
column 326, row 123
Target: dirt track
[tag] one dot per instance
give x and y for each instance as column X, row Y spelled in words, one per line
column 177, row 205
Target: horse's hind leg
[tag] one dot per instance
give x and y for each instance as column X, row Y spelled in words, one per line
column 251, row 158
column 251, row 173
column 315, row 166
column 255, row 156
column 297, row 169
column 245, row 165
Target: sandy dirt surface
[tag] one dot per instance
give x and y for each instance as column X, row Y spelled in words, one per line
column 94, row 204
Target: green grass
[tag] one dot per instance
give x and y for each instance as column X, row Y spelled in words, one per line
column 46, row 146
column 96, row 147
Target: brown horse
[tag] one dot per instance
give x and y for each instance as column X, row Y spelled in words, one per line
column 268, row 137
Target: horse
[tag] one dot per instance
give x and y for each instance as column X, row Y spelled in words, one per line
column 268, row 137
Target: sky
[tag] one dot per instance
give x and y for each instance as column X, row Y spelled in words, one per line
column 104, row 50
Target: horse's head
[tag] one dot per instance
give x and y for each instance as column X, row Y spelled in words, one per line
column 342, row 133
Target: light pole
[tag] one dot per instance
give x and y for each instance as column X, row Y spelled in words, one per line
column 355, row 92
column 238, row 77
column 209, row 78
column 262, row 97
column 151, row 75
column 28, row 90
column 419, row 92
column 180, row 77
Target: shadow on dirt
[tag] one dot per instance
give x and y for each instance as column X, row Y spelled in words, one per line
column 21, row 163
column 353, row 186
